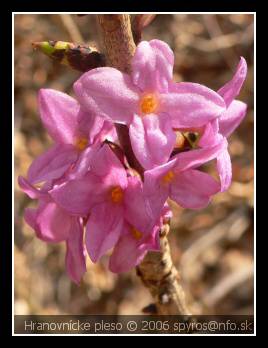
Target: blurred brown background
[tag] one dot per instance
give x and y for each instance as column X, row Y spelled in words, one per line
column 213, row 248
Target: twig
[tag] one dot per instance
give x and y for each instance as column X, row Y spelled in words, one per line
column 223, row 41
column 226, row 285
column 157, row 270
column 71, row 28
column 118, row 43
column 117, row 40
column 161, row 277
column 230, row 229
column 214, row 30
column 139, row 22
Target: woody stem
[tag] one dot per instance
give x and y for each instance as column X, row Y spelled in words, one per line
column 157, row 270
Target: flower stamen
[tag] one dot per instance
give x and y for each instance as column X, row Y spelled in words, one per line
column 136, row 233
column 149, row 103
column 81, row 143
column 168, row 177
column 117, row 194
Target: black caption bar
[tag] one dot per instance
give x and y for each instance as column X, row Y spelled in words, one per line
column 134, row 324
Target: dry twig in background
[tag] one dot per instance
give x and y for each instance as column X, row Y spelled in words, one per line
column 71, row 28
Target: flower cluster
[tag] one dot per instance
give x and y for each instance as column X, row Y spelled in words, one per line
column 81, row 183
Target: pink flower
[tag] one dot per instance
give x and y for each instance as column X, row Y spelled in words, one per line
column 181, row 181
column 75, row 132
column 148, row 101
column 224, row 126
column 131, row 248
column 53, row 225
column 113, row 202
column 133, row 245
column 84, row 183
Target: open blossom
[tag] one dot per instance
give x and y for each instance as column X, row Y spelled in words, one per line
column 113, row 201
column 53, row 224
column 221, row 128
column 129, row 252
column 181, row 181
column 75, row 133
column 174, row 129
column 148, row 101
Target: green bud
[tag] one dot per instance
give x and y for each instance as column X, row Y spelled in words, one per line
column 79, row 57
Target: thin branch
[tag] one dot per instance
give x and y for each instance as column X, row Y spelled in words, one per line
column 157, row 271
column 117, row 40
column 140, row 22
column 228, row 284
column 161, row 277
column 231, row 228
column 71, row 27
column 214, row 30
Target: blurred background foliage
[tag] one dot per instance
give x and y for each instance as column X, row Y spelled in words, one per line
column 213, row 248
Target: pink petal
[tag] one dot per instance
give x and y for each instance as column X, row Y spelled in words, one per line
column 107, row 131
column 103, row 229
column 195, row 158
column 210, row 135
column 136, row 210
column 152, row 241
column 108, row 168
column 152, row 66
column 191, row 104
column 167, row 212
column 126, row 255
column 232, row 88
column 30, row 190
column 78, row 196
column 52, row 164
column 94, row 127
column 224, row 167
column 30, row 217
column 59, row 114
column 152, row 139
column 52, row 223
column 193, row 189
column 232, row 117
column 82, row 165
column 129, row 252
column 108, row 93
column 155, row 190
column 110, row 133
column 75, row 259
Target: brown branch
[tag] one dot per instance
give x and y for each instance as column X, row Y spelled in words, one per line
column 230, row 282
column 71, row 28
column 139, row 22
column 118, row 43
column 157, row 271
column 117, row 39
column 161, row 277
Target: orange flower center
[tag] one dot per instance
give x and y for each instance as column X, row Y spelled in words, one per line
column 136, row 233
column 81, row 143
column 149, row 103
column 117, row 194
column 167, row 178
